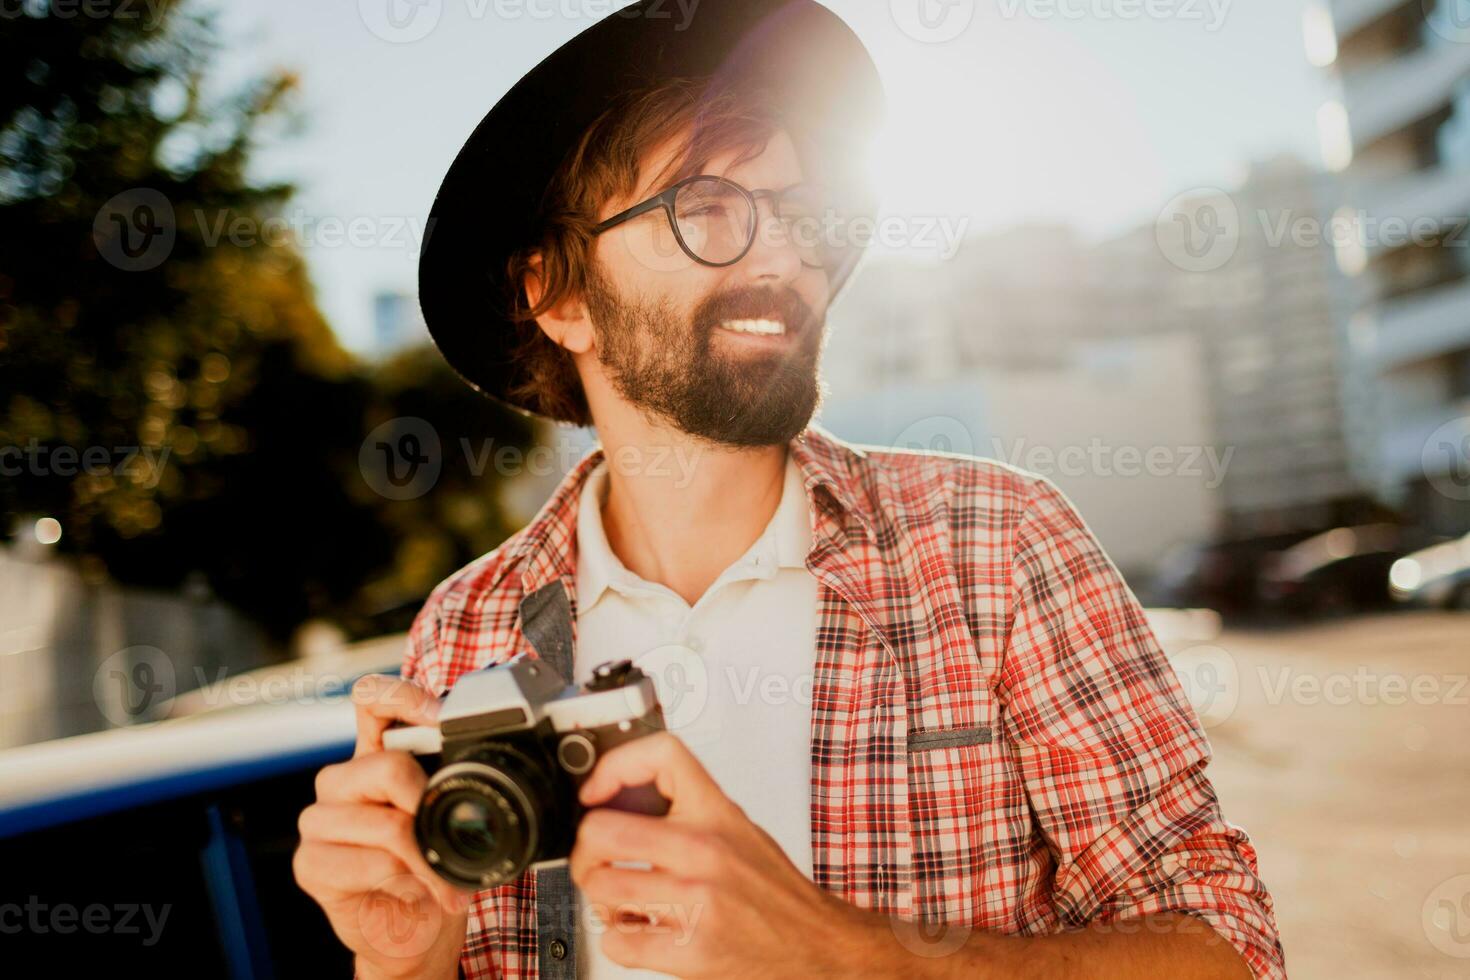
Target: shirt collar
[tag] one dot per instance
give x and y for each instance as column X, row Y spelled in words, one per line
column 785, row 542
column 546, row 548
column 832, row 464
column 596, row 563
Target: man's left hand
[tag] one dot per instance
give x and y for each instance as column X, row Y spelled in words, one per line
column 719, row 897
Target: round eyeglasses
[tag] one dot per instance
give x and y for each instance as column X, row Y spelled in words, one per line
column 714, row 220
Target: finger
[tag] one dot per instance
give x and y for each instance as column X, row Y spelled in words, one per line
column 334, row 872
column 382, row 700
column 642, row 947
column 382, row 827
column 606, row 836
column 661, row 759
column 623, row 888
column 400, row 920
column 381, row 777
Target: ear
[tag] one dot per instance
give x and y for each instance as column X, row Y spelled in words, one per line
column 566, row 323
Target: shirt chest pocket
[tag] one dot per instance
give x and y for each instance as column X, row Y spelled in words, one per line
column 969, row 815
column 971, row 827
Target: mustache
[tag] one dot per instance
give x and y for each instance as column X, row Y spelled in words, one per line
column 754, row 303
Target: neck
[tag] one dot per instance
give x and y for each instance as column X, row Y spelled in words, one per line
column 680, row 510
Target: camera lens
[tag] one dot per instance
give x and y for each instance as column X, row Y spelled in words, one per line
column 480, row 821
column 468, row 827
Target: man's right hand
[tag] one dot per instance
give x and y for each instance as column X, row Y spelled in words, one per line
column 358, row 857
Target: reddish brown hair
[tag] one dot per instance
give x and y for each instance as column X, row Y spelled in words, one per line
column 603, row 166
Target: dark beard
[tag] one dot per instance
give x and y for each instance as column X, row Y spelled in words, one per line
column 667, row 368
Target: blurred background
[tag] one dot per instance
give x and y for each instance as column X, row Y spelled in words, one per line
column 1203, row 263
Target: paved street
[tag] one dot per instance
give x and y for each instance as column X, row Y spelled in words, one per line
column 1345, row 749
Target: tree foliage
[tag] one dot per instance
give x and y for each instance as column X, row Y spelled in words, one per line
column 173, row 397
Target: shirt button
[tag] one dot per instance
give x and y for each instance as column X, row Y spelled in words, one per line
column 558, row 949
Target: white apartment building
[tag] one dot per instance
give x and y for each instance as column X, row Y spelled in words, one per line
column 1399, row 134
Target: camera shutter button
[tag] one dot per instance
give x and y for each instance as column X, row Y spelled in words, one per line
column 576, row 753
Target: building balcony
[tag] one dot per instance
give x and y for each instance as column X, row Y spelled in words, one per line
column 1423, row 326
column 1409, row 450
column 1382, row 100
column 1441, row 194
column 1351, row 16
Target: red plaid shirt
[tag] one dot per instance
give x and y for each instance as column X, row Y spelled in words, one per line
column 997, row 740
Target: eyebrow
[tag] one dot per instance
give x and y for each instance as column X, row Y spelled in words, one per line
column 701, row 173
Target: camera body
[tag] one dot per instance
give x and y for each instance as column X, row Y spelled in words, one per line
column 513, row 745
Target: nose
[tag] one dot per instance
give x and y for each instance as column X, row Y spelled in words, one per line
column 772, row 257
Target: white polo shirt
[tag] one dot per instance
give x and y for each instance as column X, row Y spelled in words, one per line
column 733, row 671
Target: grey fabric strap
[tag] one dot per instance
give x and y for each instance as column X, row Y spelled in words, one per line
column 546, row 621
column 952, row 739
column 556, row 924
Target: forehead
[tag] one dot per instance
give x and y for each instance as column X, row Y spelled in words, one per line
column 776, row 165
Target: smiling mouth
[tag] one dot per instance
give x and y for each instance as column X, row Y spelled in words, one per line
column 758, row 327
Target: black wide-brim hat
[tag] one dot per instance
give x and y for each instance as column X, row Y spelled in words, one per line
column 489, row 204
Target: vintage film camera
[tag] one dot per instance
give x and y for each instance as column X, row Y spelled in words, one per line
column 513, row 745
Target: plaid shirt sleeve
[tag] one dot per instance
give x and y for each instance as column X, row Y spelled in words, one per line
column 421, row 645
column 424, row 663
column 1112, row 754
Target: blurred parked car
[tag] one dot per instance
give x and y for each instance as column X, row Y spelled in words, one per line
column 1344, row 569
column 1221, row 575
column 1437, row 576
column 181, row 832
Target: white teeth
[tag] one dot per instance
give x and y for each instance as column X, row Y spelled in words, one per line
column 770, row 328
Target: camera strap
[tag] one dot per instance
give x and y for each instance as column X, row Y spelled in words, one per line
column 546, row 622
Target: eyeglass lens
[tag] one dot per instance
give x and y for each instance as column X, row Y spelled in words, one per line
column 717, row 222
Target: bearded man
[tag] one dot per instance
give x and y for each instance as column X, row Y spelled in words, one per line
column 917, row 723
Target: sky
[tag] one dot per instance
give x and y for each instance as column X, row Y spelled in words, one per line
column 1093, row 113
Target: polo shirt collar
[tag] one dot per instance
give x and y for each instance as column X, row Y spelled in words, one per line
column 546, row 548
column 785, row 542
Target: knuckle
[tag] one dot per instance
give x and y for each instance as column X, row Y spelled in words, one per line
column 594, row 825
column 702, row 894
column 398, row 765
column 305, row 821
column 715, row 851
column 402, row 772
column 399, row 824
column 590, row 880
column 324, row 778
column 366, row 688
column 625, row 835
column 301, row 867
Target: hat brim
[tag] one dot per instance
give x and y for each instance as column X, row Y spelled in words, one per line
column 487, row 206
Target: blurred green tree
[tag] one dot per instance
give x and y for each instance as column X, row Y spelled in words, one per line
column 462, row 516
column 169, row 391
